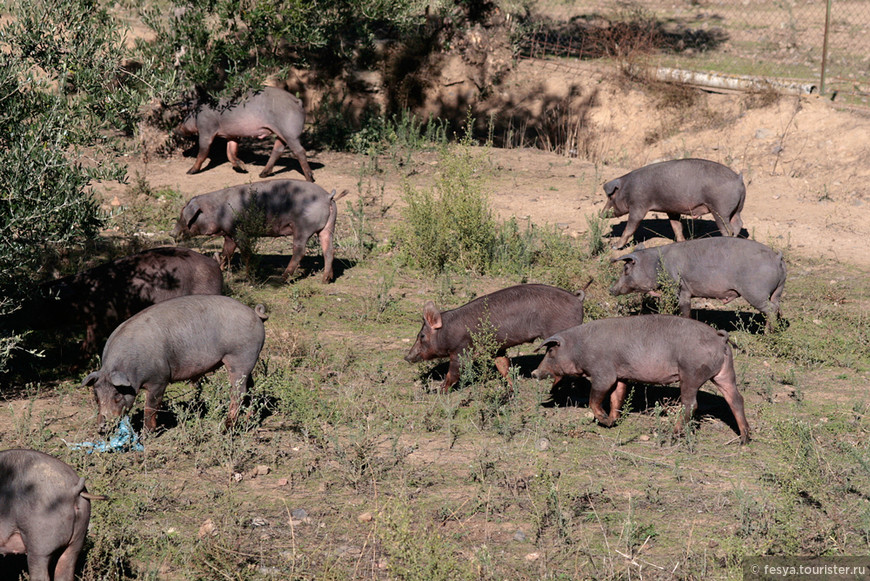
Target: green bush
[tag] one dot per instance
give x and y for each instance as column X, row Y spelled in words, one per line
column 450, row 226
column 55, row 72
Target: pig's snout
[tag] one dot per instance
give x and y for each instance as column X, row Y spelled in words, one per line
column 413, row 357
column 540, row 373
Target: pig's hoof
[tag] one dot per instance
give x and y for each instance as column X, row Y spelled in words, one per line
column 240, row 169
column 192, row 171
column 265, row 174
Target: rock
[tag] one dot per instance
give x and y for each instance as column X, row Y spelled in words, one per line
column 207, row 529
column 542, row 444
column 533, row 557
column 519, row 536
column 365, row 517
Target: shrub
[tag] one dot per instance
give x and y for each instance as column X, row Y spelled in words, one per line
column 450, row 226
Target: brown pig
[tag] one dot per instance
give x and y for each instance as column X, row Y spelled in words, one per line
column 518, row 314
column 259, row 114
column 44, row 512
column 658, row 349
column 104, row 296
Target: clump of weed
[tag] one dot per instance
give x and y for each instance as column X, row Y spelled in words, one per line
column 452, row 224
column 361, row 239
column 596, row 225
column 250, row 228
column 418, row 553
column 668, row 300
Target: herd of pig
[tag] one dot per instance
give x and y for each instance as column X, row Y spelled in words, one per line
column 171, row 322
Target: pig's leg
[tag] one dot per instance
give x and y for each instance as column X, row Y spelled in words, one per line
column 736, row 224
column 617, row 398
column 726, row 382
column 634, row 218
column 326, row 243
column 600, row 388
column 66, row 563
column 233, row 156
column 153, row 399
column 677, row 226
column 204, row 145
column 767, row 306
column 37, row 566
column 277, row 150
column 503, row 364
column 684, row 300
column 689, row 397
column 452, row 373
column 301, row 157
column 723, row 225
column 227, row 254
column 240, row 380
column 300, row 240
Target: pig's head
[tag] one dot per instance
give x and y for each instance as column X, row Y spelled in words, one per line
column 426, row 346
column 187, row 127
column 638, row 275
column 185, row 227
column 557, row 362
column 617, row 201
column 113, row 393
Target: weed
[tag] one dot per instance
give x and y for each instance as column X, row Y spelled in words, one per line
column 379, row 301
column 361, row 240
column 668, row 301
column 250, row 228
column 550, row 505
column 596, row 225
column 451, row 225
column 417, row 553
column 633, row 534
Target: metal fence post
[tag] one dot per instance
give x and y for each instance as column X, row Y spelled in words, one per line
column 825, row 47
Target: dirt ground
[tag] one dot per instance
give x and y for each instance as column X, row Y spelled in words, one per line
column 806, row 162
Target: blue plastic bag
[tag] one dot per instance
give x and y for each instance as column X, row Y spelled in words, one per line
column 124, row 440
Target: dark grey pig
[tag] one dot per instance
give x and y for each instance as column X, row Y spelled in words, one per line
column 683, row 186
column 287, row 207
column 713, row 268
column 659, row 349
column 106, row 295
column 258, row 114
column 518, row 314
column 44, row 512
column 177, row 340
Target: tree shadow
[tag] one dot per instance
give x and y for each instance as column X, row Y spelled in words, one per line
column 269, row 268
column 254, row 154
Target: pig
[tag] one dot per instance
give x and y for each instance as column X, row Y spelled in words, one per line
column 177, row 340
column 657, row 349
column 713, row 268
column 287, row 206
column 106, row 295
column 259, row 114
column 519, row 314
column 44, row 512
column 682, row 186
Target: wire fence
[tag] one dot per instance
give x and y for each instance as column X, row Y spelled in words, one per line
column 814, row 44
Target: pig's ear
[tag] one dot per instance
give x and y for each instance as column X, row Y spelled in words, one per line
column 432, row 315
column 611, row 187
column 119, row 379
column 553, row 341
column 90, row 379
column 193, row 218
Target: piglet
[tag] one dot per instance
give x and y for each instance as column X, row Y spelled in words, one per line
column 682, row 186
column 258, row 114
column 518, row 314
column 658, row 349
column 44, row 512
column 177, row 340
